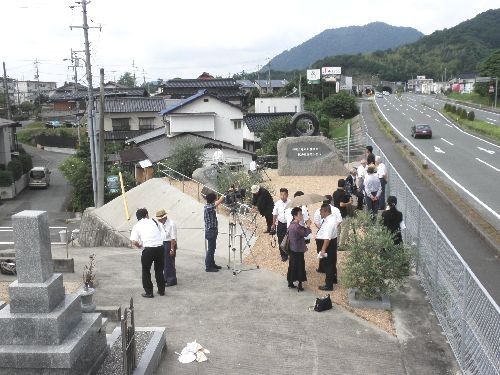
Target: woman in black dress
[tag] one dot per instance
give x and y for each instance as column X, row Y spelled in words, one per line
column 296, row 234
column 392, row 219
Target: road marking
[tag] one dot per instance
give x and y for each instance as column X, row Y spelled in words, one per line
column 421, row 112
column 438, row 150
column 446, row 174
column 437, row 120
column 491, row 152
column 404, row 114
column 489, row 165
column 491, row 119
column 412, row 120
column 451, row 144
column 428, row 115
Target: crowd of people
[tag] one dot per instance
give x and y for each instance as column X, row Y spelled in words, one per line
column 363, row 187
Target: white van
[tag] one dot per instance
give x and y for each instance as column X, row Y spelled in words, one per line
column 39, row 177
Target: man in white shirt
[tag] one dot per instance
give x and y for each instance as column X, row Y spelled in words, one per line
column 382, row 176
column 252, row 168
column 361, row 174
column 218, row 157
column 318, row 220
column 147, row 235
column 279, row 219
column 170, row 244
column 328, row 234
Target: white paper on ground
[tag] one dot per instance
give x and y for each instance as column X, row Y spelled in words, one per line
column 402, row 225
column 325, row 256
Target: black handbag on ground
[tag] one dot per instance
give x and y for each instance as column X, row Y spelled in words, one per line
column 323, row 303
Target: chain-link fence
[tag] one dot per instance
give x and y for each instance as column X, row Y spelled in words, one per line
column 470, row 318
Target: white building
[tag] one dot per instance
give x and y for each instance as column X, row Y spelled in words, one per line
column 28, row 91
column 275, row 105
column 206, row 115
column 421, row 85
column 7, row 140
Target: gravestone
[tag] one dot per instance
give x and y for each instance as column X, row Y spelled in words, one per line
column 308, row 156
column 43, row 330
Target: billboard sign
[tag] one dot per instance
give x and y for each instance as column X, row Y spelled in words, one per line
column 313, row 76
column 331, row 74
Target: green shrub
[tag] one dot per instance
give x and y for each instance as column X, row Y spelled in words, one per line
column 26, row 161
column 463, row 114
column 374, row 264
column 340, row 105
column 16, row 168
column 186, row 158
column 270, row 136
column 6, row 178
column 471, row 116
column 453, row 109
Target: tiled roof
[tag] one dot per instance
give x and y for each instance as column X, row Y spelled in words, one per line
column 149, row 136
column 275, row 83
column 258, row 121
column 192, row 98
column 66, row 92
column 133, row 104
column 6, row 122
column 201, row 83
column 132, row 155
column 246, row 84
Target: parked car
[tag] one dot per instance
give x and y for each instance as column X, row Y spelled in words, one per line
column 53, row 124
column 39, row 177
column 421, row 130
column 379, row 95
column 386, row 92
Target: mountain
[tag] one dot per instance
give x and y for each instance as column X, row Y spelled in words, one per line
column 345, row 40
column 459, row 49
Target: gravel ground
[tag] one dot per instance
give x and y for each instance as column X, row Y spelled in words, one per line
column 69, row 286
column 113, row 363
column 268, row 257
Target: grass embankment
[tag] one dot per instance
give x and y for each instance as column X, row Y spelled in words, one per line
column 27, row 134
column 476, row 126
column 472, row 98
column 338, row 128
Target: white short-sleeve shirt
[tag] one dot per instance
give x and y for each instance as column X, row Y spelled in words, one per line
column 361, row 171
column 328, row 229
column 381, row 170
column 253, row 166
column 170, row 230
column 147, row 232
column 280, row 209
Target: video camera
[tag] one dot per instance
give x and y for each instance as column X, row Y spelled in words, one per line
column 233, row 196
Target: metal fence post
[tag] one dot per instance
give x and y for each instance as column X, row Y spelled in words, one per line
column 463, row 320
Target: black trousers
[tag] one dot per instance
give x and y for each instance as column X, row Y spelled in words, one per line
column 319, row 245
column 149, row 256
column 330, row 263
column 269, row 221
column 281, row 233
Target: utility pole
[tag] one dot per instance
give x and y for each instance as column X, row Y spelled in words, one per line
column 100, row 160
column 300, row 92
column 6, row 91
column 269, row 72
column 37, row 77
column 90, row 103
column 18, row 95
column 74, row 64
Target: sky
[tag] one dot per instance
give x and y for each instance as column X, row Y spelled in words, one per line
column 168, row 39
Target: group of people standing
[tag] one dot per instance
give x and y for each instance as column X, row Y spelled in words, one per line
column 157, row 237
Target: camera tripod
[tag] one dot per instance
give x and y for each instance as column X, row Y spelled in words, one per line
column 234, row 220
column 262, row 169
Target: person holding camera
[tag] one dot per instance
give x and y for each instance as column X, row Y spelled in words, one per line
column 263, row 200
column 279, row 219
column 211, row 230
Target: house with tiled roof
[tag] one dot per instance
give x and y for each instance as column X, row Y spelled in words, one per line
column 270, row 87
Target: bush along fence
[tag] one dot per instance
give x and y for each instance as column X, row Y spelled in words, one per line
column 15, row 177
column 460, row 112
column 468, row 315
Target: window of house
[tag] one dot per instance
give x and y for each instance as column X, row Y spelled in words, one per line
column 237, row 124
column 268, row 109
column 146, row 123
column 120, row 124
column 295, row 108
column 274, row 109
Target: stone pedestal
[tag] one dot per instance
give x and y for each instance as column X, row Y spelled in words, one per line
column 43, row 330
column 308, row 156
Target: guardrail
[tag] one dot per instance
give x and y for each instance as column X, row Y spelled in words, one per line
column 68, row 238
column 468, row 315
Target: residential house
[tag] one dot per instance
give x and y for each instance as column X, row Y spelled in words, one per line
column 11, row 88
column 8, row 141
column 127, row 117
column 270, row 87
column 225, row 88
column 28, row 91
column 274, row 105
column 464, row 82
column 257, row 122
column 421, row 85
column 246, row 85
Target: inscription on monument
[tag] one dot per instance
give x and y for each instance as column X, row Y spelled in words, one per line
column 306, row 150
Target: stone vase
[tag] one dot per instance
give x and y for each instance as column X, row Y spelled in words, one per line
column 86, row 297
column 382, row 303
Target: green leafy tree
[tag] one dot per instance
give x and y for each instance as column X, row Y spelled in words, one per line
column 127, row 79
column 272, row 133
column 16, row 168
column 226, row 178
column 340, row 105
column 489, row 68
column 6, row 178
column 471, row 116
column 26, row 161
column 186, row 158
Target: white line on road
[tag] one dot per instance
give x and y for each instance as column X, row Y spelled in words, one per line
column 404, row 114
column 437, row 120
column 412, row 120
column 491, row 152
column 421, row 112
column 428, row 115
column 491, row 119
column 489, row 165
column 451, row 144
column 438, row 150
column 446, row 174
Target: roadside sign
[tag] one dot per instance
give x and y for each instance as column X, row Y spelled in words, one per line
column 113, row 184
column 313, row 76
column 491, row 89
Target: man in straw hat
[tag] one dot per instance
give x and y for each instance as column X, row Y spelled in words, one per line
column 263, row 200
column 170, row 243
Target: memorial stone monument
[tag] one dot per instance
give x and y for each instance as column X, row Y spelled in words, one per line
column 308, row 156
column 43, row 330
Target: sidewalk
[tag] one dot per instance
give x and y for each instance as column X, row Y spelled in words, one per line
column 253, row 324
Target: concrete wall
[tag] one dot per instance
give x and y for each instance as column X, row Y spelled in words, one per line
column 134, row 119
column 10, row 192
column 4, row 146
column 271, row 105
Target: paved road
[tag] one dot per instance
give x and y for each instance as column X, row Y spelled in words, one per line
column 470, row 163
column 53, row 200
column 477, row 253
column 438, row 103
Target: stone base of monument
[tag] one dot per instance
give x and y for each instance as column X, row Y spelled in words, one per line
column 151, row 343
column 309, row 156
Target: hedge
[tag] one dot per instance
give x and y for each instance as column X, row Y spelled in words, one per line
column 26, row 161
column 16, row 168
column 6, row 178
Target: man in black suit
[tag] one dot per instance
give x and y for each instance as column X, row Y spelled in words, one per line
column 263, row 200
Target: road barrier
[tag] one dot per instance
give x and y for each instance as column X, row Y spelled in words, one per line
column 468, row 315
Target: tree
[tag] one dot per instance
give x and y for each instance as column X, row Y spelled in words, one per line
column 340, row 105
column 186, row 158
column 127, row 79
column 489, row 68
column 272, row 133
